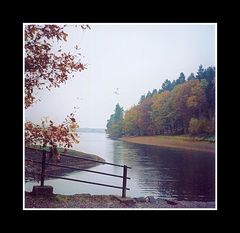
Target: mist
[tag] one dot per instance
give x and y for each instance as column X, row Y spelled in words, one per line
column 124, row 61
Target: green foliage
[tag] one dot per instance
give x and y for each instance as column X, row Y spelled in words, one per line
column 193, row 126
column 181, row 79
column 143, row 97
column 115, row 123
column 154, row 92
column 198, row 126
column 200, row 73
column 167, row 86
column 191, row 77
column 149, row 95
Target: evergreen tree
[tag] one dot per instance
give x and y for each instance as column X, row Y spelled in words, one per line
column 141, row 99
column 181, row 79
column 167, row 86
column 115, row 123
column 191, row 77
column 154, row 92
column 200, row 73
column 149, row 95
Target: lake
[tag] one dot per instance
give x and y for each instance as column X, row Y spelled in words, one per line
column 156, row 171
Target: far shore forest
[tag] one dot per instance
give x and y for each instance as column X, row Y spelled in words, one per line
column 183, row 106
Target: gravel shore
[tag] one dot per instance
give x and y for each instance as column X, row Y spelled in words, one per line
column 84, row 201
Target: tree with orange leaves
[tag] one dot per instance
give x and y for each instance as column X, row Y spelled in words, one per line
column 45, row 68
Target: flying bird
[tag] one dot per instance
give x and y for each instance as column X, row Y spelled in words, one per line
column 116, row 91
column 76, row 47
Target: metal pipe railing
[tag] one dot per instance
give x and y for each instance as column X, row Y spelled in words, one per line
column 43, row 163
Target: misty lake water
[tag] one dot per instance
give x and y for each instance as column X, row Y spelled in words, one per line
column 156, row 171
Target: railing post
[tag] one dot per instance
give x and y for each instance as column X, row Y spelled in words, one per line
column 43, row 167
column 124, row 185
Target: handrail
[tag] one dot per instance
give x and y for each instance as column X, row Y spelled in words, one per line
column 76, row 157
column 76, row 168
column 84, row 181
column 43, row 162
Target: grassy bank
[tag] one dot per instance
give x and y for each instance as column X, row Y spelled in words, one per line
column 181, row 142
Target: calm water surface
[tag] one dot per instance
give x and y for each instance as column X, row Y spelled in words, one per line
column 160, row 172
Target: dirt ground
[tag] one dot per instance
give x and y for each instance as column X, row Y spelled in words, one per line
column 172, row 142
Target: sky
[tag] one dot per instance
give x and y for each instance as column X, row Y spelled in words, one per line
column 124, row 61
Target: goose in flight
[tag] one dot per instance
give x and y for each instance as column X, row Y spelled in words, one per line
column 116, row 91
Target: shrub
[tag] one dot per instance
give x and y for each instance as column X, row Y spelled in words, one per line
column 198, row 126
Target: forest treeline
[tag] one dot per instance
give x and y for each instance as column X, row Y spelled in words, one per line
column 183, row 106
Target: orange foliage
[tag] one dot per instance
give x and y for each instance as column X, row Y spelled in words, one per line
column 63, row 135
column 43, row 67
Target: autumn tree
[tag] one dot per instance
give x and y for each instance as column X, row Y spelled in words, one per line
column 47, row 66
column 131, row 121
column 44, row 67
column 188, row 100
column 145, row 122
column 160, row 112
column 179, row 107
column 196, row 101
column 198, row 126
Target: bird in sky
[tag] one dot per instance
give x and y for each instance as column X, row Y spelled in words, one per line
column 116, row 91
column 76, row 47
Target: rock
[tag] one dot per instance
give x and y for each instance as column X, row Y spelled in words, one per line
column 151, row 199
column 171, row 202
column 42, row 190
column 127, row 200
column 140, row 199
column 146, row 199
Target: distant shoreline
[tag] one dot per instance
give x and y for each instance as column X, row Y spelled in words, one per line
column 91, row 130
column 172, row 142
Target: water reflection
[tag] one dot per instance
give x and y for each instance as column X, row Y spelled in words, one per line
column 168, row 173
column 161, row 172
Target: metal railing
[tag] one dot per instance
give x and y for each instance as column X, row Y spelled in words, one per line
column 44, row 163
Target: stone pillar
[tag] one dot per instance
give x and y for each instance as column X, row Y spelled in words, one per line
column 42, row 190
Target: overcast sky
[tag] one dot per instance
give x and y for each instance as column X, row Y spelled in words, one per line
column 132, row 58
